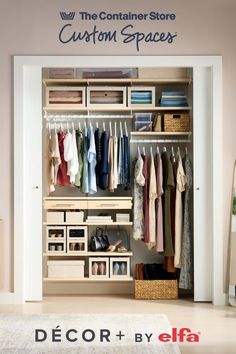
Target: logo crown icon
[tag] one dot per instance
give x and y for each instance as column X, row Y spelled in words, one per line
column 67, row 16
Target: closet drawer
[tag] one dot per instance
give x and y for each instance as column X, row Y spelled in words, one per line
column 65, row 204
column 110, row 204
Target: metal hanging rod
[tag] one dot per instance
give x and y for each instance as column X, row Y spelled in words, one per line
column 84, row 116
column 158, row 141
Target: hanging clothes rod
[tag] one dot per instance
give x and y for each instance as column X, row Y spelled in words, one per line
column 84, row 116
column 158, row 141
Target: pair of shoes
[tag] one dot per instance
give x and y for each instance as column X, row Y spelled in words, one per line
column 113, row 248
column 120, row 268
column 99, row 268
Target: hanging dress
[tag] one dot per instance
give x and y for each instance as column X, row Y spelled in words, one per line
column 103, row 171
column 159, row 213
column 145, row 199
column 168, row 184
column 180, row 188
column 98, row 153
column 111, row 181
column 152, row 198
column 126, row 165
column 186, row 272
column 138, row 217
column 80, row 151
column 62, row 177
column 92, row 162
column 85, row 184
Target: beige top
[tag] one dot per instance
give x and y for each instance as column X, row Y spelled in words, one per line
column 54, row 160
column 180, row 187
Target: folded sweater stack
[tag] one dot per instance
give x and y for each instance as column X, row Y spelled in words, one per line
column 141, row 97
column 173, row 99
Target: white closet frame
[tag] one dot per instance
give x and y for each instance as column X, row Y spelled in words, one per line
column 208, row 178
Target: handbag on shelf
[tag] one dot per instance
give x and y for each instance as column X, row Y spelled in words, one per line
column 99, row 242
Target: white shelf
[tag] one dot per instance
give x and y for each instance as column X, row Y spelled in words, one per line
column 160, row 133
column 76, row 81
column 108, row 109
column 90, row 254
column 85, row 280
column 89, row 223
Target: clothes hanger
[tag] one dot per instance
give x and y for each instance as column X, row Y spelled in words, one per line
column 110, row 128
column 164, row 149
column 186, row 150
column 151, row 151
column 49, row 130
column 79, row 126
column 126, row 130
column 97, row 124
column 55, row 127
column 173, row 153
column 144, row 151
column 104, row 126
column 139, row 151
column 121, row 130
column 115, row 130
column 158, row 151
column 85, row 129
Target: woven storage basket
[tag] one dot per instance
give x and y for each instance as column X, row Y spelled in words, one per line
column 178, row 122
column 156, row 289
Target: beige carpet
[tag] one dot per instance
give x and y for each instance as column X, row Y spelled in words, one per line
column 17, row 334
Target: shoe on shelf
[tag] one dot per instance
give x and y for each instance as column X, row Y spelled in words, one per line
column 113, row 248
column 116, row 268
column 102, row 268
column 94, row 268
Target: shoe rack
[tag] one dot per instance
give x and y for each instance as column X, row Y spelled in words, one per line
column 69, row 240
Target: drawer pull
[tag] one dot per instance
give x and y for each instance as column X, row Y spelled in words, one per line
column 108, row 205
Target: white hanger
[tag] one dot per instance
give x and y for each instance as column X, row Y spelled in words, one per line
column 151, row 151
column 144, row 151
column 85, row 129
column 49, row 130
column 126, row 130
column 121, row 132
column 110, row 128
column 91, row 126
column 186, row 150
column 61, row 127
column 79, row 126
column 138, row 150
column 97, row 124
column 104, row 126
column 158, row 151
column 164, row 149
column 73, row 127
column 55, row 127
column 115, row 130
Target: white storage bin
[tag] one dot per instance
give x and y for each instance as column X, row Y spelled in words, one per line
column 65, row 269
column 74, row 216
column 55, row 217
column 122, row 218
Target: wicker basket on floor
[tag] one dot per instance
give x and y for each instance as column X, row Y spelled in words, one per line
column 178, row 122
column 156, row 289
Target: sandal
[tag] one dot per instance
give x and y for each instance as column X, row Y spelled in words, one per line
column 113, row 248
column 122, row 249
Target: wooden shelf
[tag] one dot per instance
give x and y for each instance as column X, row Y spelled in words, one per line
column 160, row 133
column 90, row 254
column 107, row 109
column 77, row 81
column 89, row 223
column 85, row 280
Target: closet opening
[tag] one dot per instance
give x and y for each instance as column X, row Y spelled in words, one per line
column 35, row 209
column 118, row 181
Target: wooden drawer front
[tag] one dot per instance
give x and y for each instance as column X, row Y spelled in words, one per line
column 65, row 204
column 110, row 204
